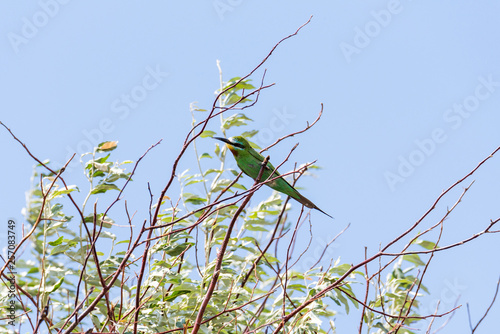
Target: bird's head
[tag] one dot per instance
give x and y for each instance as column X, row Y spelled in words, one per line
column 236, row 144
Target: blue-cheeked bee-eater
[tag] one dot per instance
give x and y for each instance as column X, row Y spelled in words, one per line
column 250, row 162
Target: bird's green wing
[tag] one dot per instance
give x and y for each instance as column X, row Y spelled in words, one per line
column 261, row 158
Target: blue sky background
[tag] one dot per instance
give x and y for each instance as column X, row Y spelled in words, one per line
column 392, row 75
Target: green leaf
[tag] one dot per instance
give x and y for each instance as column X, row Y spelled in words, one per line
column 205, row 155
column 193, row 182
column 175, row 250
column 184, row 174
column 99, row 160
column 344, row 301
column 56, row 242
column 95, row 321
column 298, row 287
column 397, row 273
column 176, row 294
column 244, row 84
column 112, row 178
column 107, row 223
column 109, row 235
column 63, row 247
column 56, row 208
column 381, row 327
column 249, row 134
column 57, row 285
column 425, row 244
column 233, row 98
column 33, row 270
column 210, row 171
column 239, row 186
column 255, row 228
column 234, row 172
column 193, row 199
column 221, row 184
column 414, row 258
column 341, row 269
column 255, row 146
column 235, row 120
column 64, row 191
column 102, row 188
column 207, row 133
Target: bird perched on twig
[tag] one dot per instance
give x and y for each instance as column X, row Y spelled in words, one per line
column 250, row 162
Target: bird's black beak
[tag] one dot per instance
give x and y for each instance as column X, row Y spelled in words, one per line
column 223, row 139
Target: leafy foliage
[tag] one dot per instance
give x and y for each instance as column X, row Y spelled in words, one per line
column 76, row 259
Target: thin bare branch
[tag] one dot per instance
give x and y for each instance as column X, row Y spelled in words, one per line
column 473, row 329
column 308, row 126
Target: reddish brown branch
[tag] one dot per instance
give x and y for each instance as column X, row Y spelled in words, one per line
column 308, row 126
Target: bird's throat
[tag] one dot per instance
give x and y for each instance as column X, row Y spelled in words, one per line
column 232, row 149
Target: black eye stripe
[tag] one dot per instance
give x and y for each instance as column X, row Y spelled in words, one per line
column 238, row 145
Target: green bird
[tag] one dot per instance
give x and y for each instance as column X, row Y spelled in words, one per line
column 250, row 162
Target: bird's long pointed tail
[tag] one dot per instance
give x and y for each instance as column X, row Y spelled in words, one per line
column 303, row 200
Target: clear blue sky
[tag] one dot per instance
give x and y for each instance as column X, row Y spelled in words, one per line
column 411, row 91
